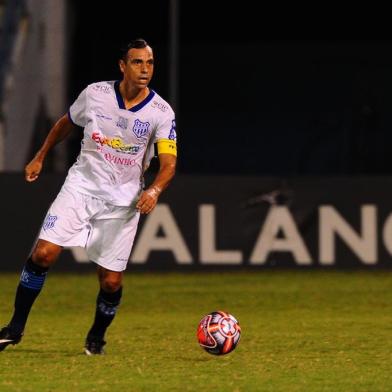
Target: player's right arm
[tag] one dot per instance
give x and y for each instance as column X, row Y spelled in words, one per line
column 59, row 132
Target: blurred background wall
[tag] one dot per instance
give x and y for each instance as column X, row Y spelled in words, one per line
column 33, row 78
column 246, row 103
column 262, row 101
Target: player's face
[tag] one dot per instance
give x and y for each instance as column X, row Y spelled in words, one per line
column 138, row 67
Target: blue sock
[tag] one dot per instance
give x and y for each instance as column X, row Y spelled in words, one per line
column 31, row 281
column 106, row 309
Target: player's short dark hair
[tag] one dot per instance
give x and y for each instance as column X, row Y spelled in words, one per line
column 137, row 43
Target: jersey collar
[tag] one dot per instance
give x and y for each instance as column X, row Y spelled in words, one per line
column 135, row 108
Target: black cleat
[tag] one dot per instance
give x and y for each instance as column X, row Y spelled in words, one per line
column 7, row 336
column 94, row 346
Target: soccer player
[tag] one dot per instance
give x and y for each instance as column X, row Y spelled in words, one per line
column 100, row 202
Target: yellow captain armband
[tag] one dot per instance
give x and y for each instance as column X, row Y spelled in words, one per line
column 167, row 146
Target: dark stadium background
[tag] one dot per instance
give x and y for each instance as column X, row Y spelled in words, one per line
column 253, row 98
column 275, row 108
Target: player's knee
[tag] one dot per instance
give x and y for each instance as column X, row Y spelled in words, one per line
column 111, row 284
column 44, row 257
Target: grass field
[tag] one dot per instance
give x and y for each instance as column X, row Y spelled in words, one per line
column 301, row 331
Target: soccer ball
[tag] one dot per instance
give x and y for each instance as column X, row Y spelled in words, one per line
column 218, row 333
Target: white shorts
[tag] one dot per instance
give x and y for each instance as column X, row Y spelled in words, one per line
column 106, row 231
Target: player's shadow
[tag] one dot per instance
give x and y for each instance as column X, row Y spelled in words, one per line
column 42, row 353
column 193, row 359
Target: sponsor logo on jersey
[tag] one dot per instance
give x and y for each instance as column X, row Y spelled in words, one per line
column 119, row 160
column 160, row 106
column 122, row 123
column 116, row 143
column 103, row 116
column 140, row 128
column 49, row 222
column 101, row 88
column 172, row 133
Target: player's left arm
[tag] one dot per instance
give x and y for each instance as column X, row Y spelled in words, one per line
column 167, row 154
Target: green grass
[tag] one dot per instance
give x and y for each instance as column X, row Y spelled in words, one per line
column 301, row 331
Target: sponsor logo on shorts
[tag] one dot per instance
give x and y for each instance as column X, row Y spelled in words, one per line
column 49, row 222
column 140, row 128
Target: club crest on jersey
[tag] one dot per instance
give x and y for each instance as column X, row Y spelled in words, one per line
column 49, row 222
column 140, row 128
column 122, row 123
column 172, row 133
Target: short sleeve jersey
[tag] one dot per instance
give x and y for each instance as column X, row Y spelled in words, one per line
column 117, row 143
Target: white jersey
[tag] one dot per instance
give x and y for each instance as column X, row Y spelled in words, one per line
column 117, row 144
